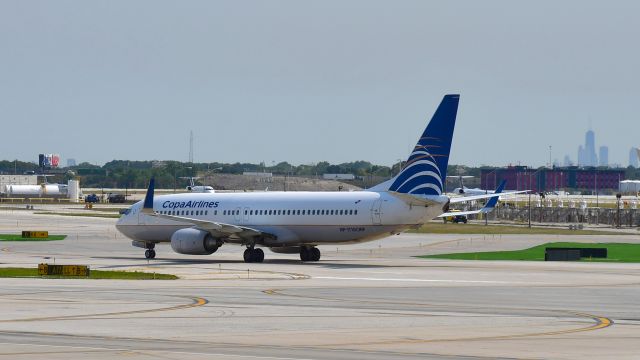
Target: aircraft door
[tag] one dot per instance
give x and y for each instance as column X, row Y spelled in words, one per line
column 376, row 212
column 246, row 215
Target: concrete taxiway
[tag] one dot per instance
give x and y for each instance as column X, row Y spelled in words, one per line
column 371, row 301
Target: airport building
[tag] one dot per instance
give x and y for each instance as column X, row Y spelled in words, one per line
column 553, row 179
column 6, row 180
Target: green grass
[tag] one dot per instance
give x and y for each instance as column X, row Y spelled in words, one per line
column 441, row 228
column 95, row 274
column 109, row 216
column 616, row 252
column 14, row 237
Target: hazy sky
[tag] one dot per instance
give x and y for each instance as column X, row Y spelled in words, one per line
column 307, row 81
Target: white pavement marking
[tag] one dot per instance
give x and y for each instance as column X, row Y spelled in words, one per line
column 420, row 280
column 80, row 347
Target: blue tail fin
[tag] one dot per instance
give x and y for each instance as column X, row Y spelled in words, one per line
column 494, row 200
column 148, row 198
column 426, row 168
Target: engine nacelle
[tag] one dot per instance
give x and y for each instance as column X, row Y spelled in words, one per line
column 194, row 242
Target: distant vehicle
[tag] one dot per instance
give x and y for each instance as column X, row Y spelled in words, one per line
column 116, row 198
column 93, row 198
column 455, row 218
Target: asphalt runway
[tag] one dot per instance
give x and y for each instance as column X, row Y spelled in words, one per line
column 366, row 301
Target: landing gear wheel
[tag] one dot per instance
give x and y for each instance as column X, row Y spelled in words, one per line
column 253, row 255
column 304, row 254
column 258, row 255
column 150, row 253
column 309, row 253
column 314, row 254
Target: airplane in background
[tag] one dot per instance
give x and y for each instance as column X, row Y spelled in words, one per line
column 197, row 188
column 463, row 190
column 488, row 207
column 298, row 222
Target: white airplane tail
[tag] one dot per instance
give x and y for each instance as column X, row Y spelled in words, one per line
column 426, row 168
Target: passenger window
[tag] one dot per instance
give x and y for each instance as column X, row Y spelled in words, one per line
column 269, row 212
column 215, row 212
column 298, row 212
column 289, row 212
column 355, row 212
column 206, row 212
column 302, row 212
column 245, row 212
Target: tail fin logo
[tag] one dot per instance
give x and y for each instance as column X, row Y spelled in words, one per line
column 421, row 174
column 427, row 165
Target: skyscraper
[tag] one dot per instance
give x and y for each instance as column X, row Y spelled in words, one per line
column 587, row 154
column 604, row 156
column 633, row 157
column 590, row 149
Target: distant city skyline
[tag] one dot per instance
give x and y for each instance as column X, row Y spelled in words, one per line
column 305, row 81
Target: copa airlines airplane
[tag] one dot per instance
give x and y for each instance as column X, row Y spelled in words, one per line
column 297, row 222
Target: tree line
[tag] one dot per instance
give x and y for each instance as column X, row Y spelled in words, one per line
column 170, row 174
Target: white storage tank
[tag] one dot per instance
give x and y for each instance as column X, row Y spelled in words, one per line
column 23, row 190
column 74, row 191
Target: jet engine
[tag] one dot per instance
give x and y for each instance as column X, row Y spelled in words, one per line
column 194, row 242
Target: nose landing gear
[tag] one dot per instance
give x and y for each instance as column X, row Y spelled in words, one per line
column 150, row 253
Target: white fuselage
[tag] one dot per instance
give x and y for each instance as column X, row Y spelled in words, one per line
column 295, row 218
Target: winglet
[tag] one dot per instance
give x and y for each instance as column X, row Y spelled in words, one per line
column 148, row 199
column 488, row 207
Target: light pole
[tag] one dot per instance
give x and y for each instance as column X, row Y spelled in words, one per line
column 618, row 196
column 486, row 181
column 530, row 178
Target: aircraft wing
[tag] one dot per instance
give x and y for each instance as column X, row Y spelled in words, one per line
column 460, row 199
column 487, row 208
column 493, row 195
column 215, row 228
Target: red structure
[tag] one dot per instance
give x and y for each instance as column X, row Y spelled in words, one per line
column 557, row 178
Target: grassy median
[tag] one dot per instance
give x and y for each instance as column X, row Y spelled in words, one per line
column 95, row 274
column 616, row 252
column 18, row 237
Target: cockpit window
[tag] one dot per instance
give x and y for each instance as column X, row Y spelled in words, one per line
column 125, row 211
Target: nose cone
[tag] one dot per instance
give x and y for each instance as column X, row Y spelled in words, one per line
column 127, row 221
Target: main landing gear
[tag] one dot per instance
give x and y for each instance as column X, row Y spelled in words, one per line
column 150, row 253
column 253, row 255
column 311, row 253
